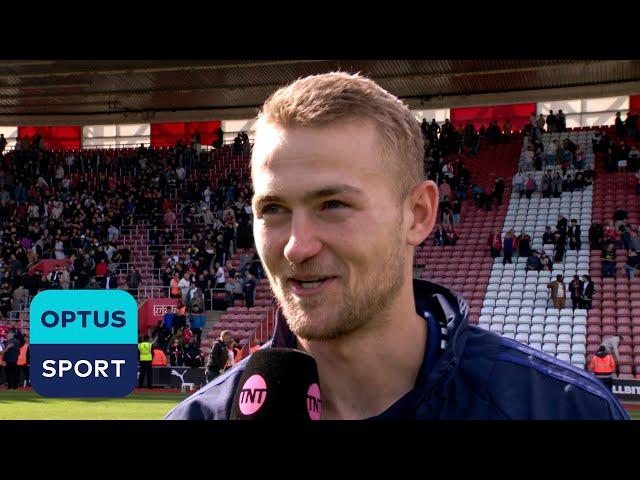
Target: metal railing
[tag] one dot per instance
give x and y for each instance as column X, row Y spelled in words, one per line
column 263, row 332
column 212, row 291
column 153, row 291
column 123, row 268
column 172, row 247
column 134, row 146
column 160, row 291
column 143, row 228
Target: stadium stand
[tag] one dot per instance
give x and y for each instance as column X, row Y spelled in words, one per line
column 450, row 265
column 517, row 304
column 616, row 303
column 165, row 229
column 85, row 179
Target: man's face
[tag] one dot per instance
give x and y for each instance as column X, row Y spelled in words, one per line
column 328, row 227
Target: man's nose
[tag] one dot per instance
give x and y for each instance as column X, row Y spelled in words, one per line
column 303, row 241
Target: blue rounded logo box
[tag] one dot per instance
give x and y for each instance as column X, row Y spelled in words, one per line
column 84, row 343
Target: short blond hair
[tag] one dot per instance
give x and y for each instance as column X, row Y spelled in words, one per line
column 320, row 100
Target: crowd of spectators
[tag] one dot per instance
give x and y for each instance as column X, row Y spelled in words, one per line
column 179, row 334
column 449, row 139
column 551, row 184
column 618, row 234
column 216, row 222
column 627, row 127
column 565, row 154
column 78, row 206
column 445, row 149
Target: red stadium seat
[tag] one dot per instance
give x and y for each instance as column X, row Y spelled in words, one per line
column 594, row 330
column 626, row 369
column 594, row 339
column 625, row 350
column 624, row 321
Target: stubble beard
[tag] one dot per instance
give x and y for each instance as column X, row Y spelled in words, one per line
column 327, row 317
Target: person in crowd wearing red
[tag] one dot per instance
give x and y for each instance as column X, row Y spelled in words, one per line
column 495, row 244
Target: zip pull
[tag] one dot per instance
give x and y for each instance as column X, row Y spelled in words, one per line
column 452, row 365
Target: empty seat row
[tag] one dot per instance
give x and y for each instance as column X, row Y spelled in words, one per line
column 533, row 321
column 537, row 312
column 541, row 329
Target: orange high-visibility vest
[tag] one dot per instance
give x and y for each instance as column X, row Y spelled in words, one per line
column 159, row 358
column 174, row 287
column 237, row 355
column 22, row 357
column 602, row 365
column 230, row 353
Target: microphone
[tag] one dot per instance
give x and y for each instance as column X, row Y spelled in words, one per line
column 278, row 383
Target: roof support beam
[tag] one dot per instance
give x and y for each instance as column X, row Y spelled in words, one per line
column 175, row 68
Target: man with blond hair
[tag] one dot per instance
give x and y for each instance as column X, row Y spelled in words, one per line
column 336, row 226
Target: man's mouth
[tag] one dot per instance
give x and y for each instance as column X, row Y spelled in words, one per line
column 309, row 285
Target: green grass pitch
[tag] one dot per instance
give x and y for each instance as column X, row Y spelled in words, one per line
column 634, row 414
column 27, row 405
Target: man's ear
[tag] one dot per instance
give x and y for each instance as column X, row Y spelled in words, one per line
column 423, row 202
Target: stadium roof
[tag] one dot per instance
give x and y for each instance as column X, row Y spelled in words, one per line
column 234, row 87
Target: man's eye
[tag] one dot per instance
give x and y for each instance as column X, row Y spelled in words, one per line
column 333, row 204
column 270, row 209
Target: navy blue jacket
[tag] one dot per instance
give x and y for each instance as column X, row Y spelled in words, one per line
column 474, row 374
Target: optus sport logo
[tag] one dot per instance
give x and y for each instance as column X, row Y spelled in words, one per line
column 84, row 343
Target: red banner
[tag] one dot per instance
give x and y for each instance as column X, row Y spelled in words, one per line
column 167, row 134
column 46, row 266
column 151, row 311
column 518, row 115
column 634, row 103
column 55, row 137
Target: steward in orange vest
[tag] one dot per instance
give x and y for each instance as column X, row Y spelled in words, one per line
column 174, row 291
column 603, row 365
column 159, row 358
column 237, row 351
column 24, row 359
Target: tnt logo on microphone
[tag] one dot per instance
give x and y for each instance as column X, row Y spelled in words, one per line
column 313, row 402
column 84, row 343
column 253, row 395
